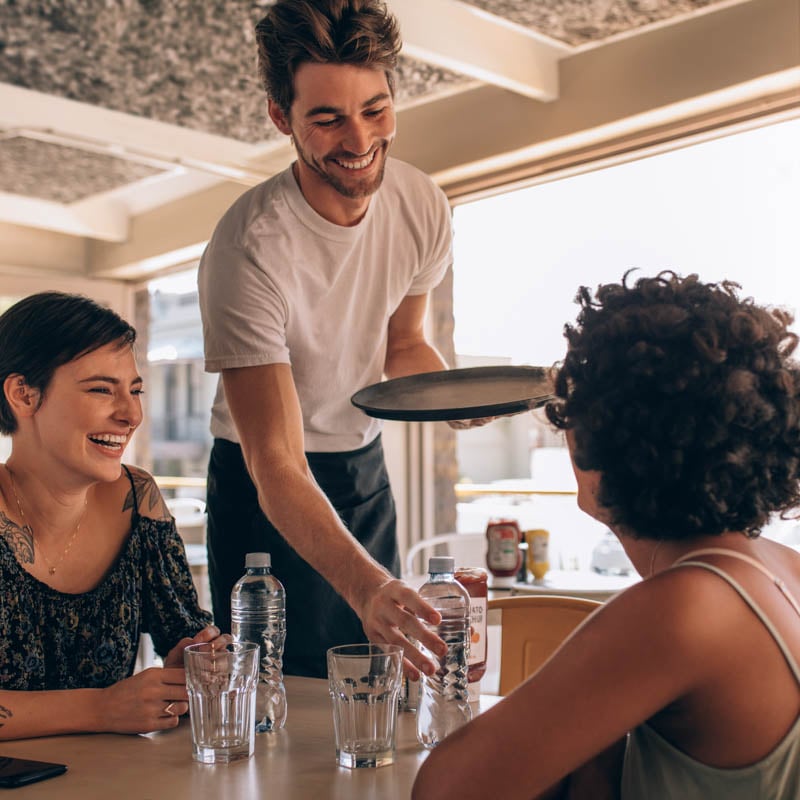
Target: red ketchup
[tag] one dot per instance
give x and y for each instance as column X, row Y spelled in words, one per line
column 475, row 581
column 502, row 553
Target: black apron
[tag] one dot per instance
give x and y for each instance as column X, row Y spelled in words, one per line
column 357, row 485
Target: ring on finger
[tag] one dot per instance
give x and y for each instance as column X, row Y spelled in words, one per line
column 169, row 710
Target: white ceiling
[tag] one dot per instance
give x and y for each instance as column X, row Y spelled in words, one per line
column 127, row 128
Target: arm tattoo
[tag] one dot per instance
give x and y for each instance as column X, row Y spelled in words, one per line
column 5, row 713
column 148, row 496
column 20, row 539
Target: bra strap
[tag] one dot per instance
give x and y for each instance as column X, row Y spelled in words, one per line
column 133, row 491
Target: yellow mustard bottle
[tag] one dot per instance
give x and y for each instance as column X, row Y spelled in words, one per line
column 538, row 552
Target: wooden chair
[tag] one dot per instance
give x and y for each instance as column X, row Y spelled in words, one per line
column 531, row 630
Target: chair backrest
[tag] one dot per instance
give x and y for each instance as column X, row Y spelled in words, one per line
column 190, row 518
column 468, row 549
column 192, row 509
column 532, row 628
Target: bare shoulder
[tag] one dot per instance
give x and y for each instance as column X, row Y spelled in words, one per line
column 783, row 560
column 670, row 610
column 144, row 495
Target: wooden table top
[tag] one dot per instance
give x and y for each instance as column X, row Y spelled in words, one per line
column 297, row 762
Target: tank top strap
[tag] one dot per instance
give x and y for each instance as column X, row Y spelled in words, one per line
column 133, row 491
column 722, row 551
column 687, row 561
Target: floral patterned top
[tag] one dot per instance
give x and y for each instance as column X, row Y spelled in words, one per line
column 52, row 640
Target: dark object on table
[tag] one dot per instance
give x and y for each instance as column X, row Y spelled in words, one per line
column 455, row 394
column 22, row 771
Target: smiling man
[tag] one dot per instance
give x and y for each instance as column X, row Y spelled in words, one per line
column 314, row 285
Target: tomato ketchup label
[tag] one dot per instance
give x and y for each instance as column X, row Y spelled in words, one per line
column 477, row 650
column 475, row 581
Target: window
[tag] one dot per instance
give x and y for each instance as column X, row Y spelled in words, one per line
column 179, row 392
column 726, row 208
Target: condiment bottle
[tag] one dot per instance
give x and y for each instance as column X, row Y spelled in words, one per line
column 522, row 575
column 538, row 552
column 475, row 581
column 502, row 552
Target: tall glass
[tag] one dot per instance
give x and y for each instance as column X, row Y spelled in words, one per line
column 222, row 700
column 364, row 682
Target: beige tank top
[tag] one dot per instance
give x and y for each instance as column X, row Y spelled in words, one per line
column 656, row 770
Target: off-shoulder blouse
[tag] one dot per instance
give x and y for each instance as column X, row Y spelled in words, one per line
column 53, row 640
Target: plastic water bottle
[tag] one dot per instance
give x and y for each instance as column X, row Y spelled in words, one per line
column 443, row 704
column 258, row 615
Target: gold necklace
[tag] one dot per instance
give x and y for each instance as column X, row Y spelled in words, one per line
column 51, row 568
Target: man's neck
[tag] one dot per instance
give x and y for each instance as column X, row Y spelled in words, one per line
column 327, row 202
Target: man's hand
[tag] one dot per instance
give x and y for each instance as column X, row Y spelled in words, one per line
column 394, row 614
column 479, row 422
column 464, row 424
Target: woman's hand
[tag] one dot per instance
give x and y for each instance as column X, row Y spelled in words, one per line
column 155, row 698
column 209, row 634
column 151, row 700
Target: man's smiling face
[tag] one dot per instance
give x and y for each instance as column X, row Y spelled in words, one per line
column 342, row 122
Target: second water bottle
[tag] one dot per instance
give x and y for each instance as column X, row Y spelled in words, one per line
column 258, row 615
column 443, row 701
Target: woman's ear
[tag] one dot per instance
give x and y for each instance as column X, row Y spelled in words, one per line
column 22, row 399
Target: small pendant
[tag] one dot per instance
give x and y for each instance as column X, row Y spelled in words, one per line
column 51, row 570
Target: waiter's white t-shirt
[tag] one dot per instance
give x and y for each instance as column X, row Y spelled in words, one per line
column 279, row 284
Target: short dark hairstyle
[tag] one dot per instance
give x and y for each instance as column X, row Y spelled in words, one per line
column 358, row 32
column 42, row 332
column 684, row 397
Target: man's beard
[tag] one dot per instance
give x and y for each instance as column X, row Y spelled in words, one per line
column 353, row 190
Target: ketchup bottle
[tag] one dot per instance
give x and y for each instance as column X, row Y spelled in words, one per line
column 502, row 553
column 475, row 581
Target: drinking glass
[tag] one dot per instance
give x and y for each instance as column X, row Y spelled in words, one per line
column 221, row 682
column 364, row 682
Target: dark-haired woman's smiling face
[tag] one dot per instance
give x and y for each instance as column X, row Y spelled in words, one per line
column 89, row 412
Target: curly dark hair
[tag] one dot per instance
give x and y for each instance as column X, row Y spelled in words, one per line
column 684, row 397
column 359, row 32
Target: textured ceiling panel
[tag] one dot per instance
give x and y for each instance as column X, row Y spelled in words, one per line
column 580, row 21
column 192, row 63
column 183, row 62
column 62, row 174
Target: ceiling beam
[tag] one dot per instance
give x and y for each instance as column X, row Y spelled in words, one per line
column 98, row 217
column 58, row 120
column 28, row 251
column 460, row 37
column 698, row 64
column 163, row 237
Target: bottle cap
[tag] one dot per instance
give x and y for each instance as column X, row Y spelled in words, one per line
column 257, row 560
column 440, row 564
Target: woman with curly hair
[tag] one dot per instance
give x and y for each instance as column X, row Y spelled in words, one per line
column 680, row 406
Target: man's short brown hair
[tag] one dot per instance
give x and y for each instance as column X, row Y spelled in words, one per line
column 359, row 32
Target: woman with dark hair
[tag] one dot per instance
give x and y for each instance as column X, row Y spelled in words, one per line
column 680, row 406
column 89, row 555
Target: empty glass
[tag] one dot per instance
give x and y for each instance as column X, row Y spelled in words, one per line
column 364, row 682
column 222, row 698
